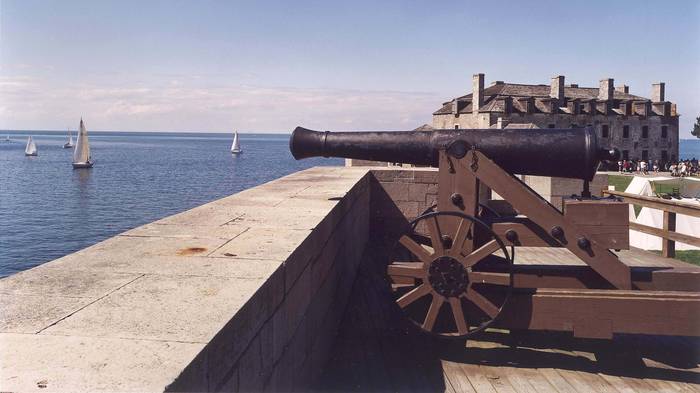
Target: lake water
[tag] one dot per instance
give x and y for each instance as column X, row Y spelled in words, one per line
column 48, row 210
column 689, row 148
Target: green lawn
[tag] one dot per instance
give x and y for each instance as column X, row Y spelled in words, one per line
column 620, row 182
column 690, row 256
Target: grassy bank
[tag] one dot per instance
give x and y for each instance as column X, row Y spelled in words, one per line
column 690, row 256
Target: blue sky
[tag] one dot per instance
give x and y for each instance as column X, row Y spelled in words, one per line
column 270, row 66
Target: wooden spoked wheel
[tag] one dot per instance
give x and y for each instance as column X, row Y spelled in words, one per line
column 450, row 274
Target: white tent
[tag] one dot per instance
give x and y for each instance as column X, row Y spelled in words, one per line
column 654, row 217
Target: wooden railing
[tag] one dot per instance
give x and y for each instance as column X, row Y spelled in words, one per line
column 670, row 208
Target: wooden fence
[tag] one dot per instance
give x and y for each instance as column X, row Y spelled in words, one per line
column 668, row 232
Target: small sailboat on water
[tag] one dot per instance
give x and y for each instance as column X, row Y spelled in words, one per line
column 68, row 144
column 236, row 145
column 31, row 150
column 7, row 138
column 81, row 154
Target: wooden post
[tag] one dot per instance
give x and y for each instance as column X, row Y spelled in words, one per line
column 668, row 246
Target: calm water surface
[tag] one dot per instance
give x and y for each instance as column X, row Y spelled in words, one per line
column 48, row 210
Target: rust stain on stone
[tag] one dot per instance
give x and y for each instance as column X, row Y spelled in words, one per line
column 191, row 250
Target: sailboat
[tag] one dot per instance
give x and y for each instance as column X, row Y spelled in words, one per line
column 30, row 150
column 81, row 154
column 68, row 144
column 236, row 145
column 7, row 138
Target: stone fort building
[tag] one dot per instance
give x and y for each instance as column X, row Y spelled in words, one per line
column 640, row 127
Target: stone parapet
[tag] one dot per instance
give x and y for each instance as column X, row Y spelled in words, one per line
column 241, row 294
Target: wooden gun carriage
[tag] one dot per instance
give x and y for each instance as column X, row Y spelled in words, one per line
column 452, row 271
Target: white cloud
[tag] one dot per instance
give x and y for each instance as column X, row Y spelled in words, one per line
column 189, row 106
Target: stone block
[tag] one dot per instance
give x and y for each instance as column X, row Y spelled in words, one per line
column 397, row 191
column 53, row 281
column 88, row 364
column 145, row 247
column 263, row 243
column 225, row 231
column 250, row 372
column 162, row 308
column 425, row 175
column 417, row 192
column 32, row 313
column 297, row 300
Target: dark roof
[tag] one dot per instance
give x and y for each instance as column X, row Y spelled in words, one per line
column 424, row 127
column 494, row 94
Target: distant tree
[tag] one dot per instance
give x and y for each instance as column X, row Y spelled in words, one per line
column 696, row 128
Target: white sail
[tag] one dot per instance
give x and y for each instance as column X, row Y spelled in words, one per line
column 81, row 154
column 70, row 141
column 30, row 150
column 236, row 145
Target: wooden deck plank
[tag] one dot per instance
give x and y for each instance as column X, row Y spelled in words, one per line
column 562, row 257
column 458, row 379
column 556, row 380
column 377, row 351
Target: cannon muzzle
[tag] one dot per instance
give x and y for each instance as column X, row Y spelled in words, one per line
column 570, row 153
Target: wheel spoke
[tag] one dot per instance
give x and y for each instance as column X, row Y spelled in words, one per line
column 413, row 295
column 458, row 314
column 480, row 253
column 483, row 303
column 414, row 270
column 433, row 312
column 464, row 227
column 422, row 239
column 489, row 278
column 435, row 236
column 415, row 248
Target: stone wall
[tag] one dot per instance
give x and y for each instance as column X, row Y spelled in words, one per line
column 634, row 144
column 289, row 325
column 398, row 196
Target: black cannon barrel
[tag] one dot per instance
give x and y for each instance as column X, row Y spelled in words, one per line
column 571, row 153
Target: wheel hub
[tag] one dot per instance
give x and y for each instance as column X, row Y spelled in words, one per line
column 448, row 277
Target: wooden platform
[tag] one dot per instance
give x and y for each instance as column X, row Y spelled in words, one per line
column 634, row 258
column 376, row 351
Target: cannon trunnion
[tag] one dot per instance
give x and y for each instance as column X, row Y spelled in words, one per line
column 452, row 269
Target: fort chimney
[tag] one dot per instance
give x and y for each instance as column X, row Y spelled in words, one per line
column 607, row 87
column 477, row 93
column 623, row 89
column 658, row 92
column 557, row 88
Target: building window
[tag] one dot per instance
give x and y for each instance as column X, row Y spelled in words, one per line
column 645, row 155
column 551, row 126
column 664, row 131
column 645, row 131
column 604, row 131
column 456, row 126
column 664, row 156
column 582, row 108
column 625, row 154
column 625, row 131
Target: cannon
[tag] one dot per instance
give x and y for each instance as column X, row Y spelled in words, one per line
column 569, row 153
column 451, row 269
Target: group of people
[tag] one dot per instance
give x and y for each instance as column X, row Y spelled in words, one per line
column 681, row 168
